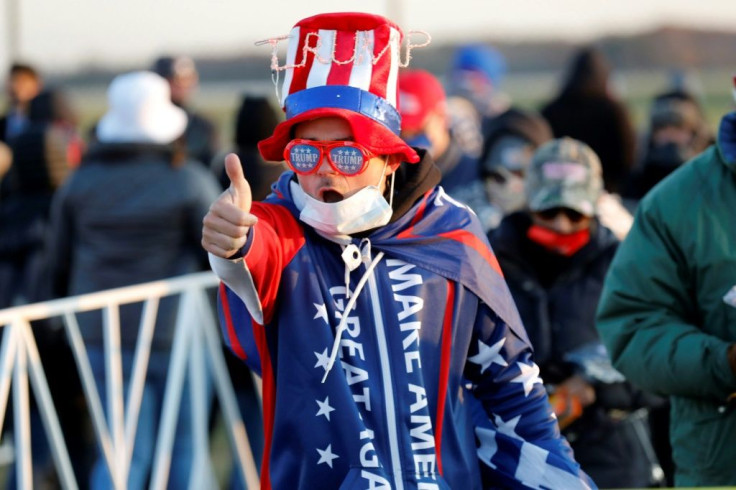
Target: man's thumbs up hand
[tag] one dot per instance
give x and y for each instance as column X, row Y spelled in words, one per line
column 225, row 227
column 239, row 188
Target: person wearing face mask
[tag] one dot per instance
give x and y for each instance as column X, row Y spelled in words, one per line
column 677, row 132
column 508, row 145
column 368, row 299
column 425, row 124
column 554, row 255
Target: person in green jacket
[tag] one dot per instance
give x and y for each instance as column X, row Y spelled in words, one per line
column 667, row 313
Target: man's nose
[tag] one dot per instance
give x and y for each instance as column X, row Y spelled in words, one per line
column 325, row 167
column 562, row 224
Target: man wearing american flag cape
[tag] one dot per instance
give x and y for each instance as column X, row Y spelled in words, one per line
column 369, row 300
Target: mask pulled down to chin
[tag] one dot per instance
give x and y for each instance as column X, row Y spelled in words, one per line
column 364, row 210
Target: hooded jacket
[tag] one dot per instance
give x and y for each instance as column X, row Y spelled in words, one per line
column 557, row 298
column 666, row 314
column 586, row 111
column 429, row 339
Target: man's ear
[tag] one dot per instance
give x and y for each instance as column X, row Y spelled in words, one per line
column 394, row 161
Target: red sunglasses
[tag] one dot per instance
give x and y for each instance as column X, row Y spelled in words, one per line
column 346, row 157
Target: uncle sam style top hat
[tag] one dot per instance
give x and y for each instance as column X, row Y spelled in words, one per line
column 342, row 65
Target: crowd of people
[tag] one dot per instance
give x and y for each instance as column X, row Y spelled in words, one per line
column 438, row 287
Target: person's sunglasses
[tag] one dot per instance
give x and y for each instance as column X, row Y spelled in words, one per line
column 571, row 214
column 346, row 157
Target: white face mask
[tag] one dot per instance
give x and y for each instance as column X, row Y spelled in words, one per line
column 364, row 210
column 509, row 195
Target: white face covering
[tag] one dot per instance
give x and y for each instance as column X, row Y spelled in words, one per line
column 364, row 210
column 509, row 195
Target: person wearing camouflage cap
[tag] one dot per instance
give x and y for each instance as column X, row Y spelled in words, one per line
column 508, row 146
column 564, row 173
column 554, row 255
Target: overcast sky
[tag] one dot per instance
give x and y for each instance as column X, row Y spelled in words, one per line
column 62, row 35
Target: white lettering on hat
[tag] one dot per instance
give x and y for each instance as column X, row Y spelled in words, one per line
column 569, row 171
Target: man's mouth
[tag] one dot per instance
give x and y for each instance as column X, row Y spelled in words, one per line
column 331, row 196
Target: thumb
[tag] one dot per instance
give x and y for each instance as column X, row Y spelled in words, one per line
column 239, row 188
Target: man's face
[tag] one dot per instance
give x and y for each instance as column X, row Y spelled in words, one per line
column 326, row 184
column 182, row 88
column 680, row 136
column 22, row 87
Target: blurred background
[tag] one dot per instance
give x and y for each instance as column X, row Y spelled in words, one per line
column 78, row 46
column 82, row 44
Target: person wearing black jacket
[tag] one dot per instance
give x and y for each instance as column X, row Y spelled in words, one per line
column 132, row 213
column 587, row 109
column 23, row 84
column 677, row 131
column 554, row 257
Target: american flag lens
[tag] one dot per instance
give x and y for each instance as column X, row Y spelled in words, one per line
column 304, row 158
column 347, row 159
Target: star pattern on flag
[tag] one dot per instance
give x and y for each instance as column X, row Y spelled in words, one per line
column 324, row 408
column 321, row 312
column 304, row 157
column 508, row 427
column 488, row 446
column 322, row 359
column 347, row 159
column 326, row 455
column 528, row 377
column 488, row 355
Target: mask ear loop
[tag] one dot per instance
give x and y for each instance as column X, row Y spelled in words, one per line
column 391, row 194
column 393, row 179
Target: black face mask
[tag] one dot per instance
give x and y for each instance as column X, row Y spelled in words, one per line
column 660, row 161
column 668, row 156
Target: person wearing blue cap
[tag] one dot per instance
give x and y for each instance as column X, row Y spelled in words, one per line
column 474, row 91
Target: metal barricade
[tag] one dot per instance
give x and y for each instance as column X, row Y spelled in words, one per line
column 196, row 351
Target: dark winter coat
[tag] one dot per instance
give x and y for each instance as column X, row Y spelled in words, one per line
column 557, row 299
column 128, row 215
column 668, row 314
column 586, row 111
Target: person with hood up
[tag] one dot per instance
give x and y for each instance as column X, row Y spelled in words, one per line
column 677, row 132
column 554, row 255
column 368, row 299
column 508, row 145
column 255, row 120
column 587, row 109
column 425, row 124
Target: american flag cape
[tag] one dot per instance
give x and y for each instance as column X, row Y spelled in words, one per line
column 442, row 236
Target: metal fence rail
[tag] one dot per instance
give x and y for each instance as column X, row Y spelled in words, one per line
column 196, row 352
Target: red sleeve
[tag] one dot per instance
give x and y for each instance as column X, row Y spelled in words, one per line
column 277, row 237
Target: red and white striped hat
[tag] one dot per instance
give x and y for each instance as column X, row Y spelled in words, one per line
column 344, row 65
